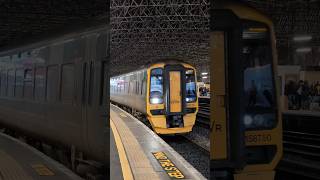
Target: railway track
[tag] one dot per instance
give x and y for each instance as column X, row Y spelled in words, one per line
column 301, row 154
column 203, row 116
column 204, row 108
column 302, row 144
column 294, row 166
column 197, row 156
column 301, row 150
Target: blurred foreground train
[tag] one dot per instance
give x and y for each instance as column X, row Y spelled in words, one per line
column 165, row 92
column 56, row 92
column 246, row 123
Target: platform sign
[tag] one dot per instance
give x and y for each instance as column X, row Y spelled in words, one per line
column 168, row 166
column 42, row 170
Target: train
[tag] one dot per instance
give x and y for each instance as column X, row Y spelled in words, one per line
column 165, row 92
column 56, row 91
column 246, row 122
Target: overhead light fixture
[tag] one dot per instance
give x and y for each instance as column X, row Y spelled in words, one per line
column 204, row 77
column 204, row 73
column 303, row 50
column 302, row 38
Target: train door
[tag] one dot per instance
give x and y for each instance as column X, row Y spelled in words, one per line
column 246, row 137
column 227, row 133
column 96, row 97
column 175, row 95
column 87, row 69
column 175, row 91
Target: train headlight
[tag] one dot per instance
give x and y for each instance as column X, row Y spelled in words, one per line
column 259, row 121
column 247, row 120
column 155, row 100
column 190, row 99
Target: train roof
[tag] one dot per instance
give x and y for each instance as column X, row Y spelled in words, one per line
column 163, row 61
column 59, row 35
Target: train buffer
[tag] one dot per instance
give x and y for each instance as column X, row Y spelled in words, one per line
column 136, row 152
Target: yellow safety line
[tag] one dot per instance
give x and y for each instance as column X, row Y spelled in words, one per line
column 125, row 166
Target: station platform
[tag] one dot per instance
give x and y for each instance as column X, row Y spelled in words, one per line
column 19, row 161
column 136, row 152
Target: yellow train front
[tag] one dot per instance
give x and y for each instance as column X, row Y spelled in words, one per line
column 246, row 125
column 164, row 92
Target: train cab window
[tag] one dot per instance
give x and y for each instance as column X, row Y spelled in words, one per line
column 191, row 92
column 19, row 83
column 156, row 86
column 4, row 83
column 10, row 82
column 67, row 83
column 28, row 83
column 40, row 83
column 52, row 83
column 259, row 87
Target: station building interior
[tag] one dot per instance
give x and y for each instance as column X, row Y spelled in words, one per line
column 109, row 51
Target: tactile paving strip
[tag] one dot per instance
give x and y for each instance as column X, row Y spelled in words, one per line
column 10, row 169
column 139, row 162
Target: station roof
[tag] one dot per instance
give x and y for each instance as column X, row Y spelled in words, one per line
column 23, row 19
column 144, row 31
column 294, row 18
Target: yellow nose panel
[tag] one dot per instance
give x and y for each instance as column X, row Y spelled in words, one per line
column 175, row 91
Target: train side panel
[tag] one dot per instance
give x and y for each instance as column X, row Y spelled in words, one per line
column 49, row 98
column 130, row 90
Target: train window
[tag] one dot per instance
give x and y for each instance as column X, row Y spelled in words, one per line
column 259, row 87
column 11, row 81
column 156, row 86
column 52, row 83
column 28, row 83
column 19, row 83
column 3, row 83
column 67, row 83
column 191, row 93
column 40, row 82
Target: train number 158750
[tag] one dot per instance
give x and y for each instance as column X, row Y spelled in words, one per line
column 258, row 138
